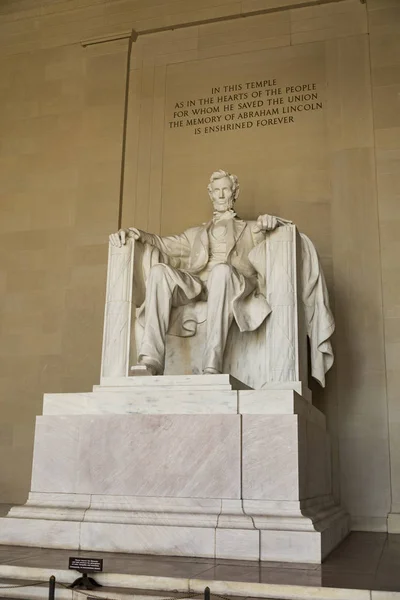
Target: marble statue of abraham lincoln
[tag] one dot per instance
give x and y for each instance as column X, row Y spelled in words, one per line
column 210, row 262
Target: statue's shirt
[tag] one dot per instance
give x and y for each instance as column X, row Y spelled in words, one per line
column 217, row 245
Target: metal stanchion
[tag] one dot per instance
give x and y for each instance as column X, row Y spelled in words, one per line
column 52, row 587
column 207, row 593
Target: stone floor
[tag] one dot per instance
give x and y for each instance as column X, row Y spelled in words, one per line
column 364, row 561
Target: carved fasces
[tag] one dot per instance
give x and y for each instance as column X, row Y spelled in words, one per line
column 118, row 311
column 286, row 340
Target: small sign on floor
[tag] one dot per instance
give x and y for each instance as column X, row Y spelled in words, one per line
column 85, row 565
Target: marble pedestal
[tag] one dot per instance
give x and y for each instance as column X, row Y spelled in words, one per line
column 190, row 466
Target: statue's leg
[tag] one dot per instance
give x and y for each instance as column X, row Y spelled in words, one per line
column 223, row 285
column 166, row 287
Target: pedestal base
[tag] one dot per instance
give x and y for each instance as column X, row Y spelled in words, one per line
column 292, row 532
column 149, row 470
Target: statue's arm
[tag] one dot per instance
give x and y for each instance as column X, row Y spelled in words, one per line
column 172, row 246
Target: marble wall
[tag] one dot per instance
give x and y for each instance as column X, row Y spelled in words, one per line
column 384, row 25
column 60, row 160
column 71, row 158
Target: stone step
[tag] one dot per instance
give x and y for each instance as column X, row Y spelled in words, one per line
column 142, row 401
column 222, row 381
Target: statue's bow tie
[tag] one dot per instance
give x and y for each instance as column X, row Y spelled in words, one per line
column 226, row 216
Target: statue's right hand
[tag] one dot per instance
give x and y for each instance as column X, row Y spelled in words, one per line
column 119, row 239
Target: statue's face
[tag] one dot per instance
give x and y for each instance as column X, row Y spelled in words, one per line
column 222, row 194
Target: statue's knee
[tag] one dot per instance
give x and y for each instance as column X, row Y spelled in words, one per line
column 158, row 272
column 222, row 271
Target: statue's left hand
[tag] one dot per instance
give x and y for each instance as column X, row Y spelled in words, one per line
column 266, row 223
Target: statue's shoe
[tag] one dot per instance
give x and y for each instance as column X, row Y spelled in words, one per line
column 211, row 371
column 151, row 364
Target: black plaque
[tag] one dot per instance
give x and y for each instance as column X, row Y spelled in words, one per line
column 85, row 565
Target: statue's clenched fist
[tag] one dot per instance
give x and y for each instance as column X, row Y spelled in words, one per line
column 119, row 239
column 266, row 223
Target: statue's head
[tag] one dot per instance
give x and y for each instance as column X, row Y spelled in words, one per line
column 223, row 190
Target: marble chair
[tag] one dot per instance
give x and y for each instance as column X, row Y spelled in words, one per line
column 274, row 356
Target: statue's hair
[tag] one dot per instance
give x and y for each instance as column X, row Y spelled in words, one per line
column 219, row 175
